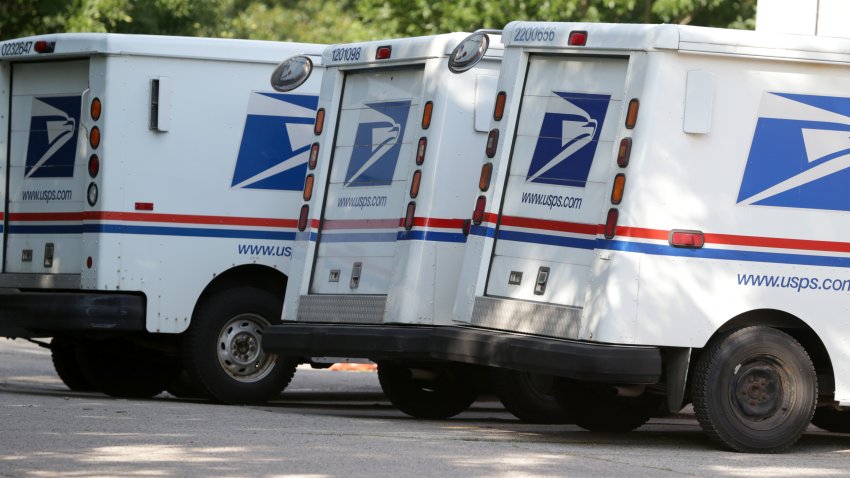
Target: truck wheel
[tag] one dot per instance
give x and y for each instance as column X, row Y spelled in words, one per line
column 122, row 368
column 754, row 390
column 63, row 351
column 442, row 392
column 223, row 352
column 529, row 397
column 832, row 419
column 600, row 409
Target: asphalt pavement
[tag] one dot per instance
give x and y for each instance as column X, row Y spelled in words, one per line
column 337, row 424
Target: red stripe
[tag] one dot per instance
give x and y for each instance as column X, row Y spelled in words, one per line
column 663, row 235
column 150, row 217
column 437, row 222
column 391, row 223
column 549, row 225
column 45, row 216
column 639, row 232
column 779, row 243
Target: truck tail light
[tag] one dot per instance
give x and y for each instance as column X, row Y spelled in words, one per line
column 414, row 183
column 319, row 125
column 308, row 187
column 577, row 38
column 426, row 114
column 96, row 109
column 420, row 151
column 94, row 137
column 611, row 223
column 619, row 186
column 384, row 52
column 302, row 217
column 492, row 141
column 688, row 239
column 94, row 166
column 624, row 152
column 43, row 46
column 499, row 110
column 314, row 156
column 478, row 212
column 408, row 218
column 632, row 113
column 486, row 173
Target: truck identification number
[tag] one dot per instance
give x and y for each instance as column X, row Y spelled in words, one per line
column 534, row 34
column 346, row 54
column 16, row 48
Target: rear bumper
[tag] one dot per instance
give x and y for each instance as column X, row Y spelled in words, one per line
column 44, row 313
column 565, row 358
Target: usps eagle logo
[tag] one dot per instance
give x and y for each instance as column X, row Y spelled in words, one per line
column 800, row 153
column 54, row 127
column 377, row 143
column 568, row 139
column 275, row 142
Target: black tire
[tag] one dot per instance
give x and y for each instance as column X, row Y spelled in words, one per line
column 832, row 419
column 600, row 409
column 754, row 390
column 121, row 368
column 223, row 350
column 528, row 396
column 63, row 351
column 448, row 390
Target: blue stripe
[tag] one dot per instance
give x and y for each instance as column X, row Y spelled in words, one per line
column 431, row 236
column 573, row 242
column 189, row 232
column 154, row 231
column 725, row 254
column 483, row 231
column 70, row 229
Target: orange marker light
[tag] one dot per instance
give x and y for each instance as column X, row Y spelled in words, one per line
column 320, row 122
column 308, row 187
column 426, row 114
column 499, row 110
column 414, row 183
column 624, row 152
column 96, row 109
column 486, row 173
column 631, row 115
column 619, row 186
column 94, row 137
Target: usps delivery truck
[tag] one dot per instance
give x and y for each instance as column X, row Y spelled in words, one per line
column 661, row 219
column 398, row 137
column 150, row 195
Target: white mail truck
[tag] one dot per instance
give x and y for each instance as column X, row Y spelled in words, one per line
column 662, row 218
column 150, row 192
column 398, row 136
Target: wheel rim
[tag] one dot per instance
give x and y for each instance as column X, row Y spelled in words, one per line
column 239, row 351
column 758, row 393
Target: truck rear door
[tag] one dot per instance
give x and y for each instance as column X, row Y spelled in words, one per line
column 375, row 141
column 559, row 175
column 47, row 156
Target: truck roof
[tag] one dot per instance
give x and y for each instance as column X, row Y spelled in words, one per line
column 686, row 38
column 85, row 44
column 413, row 48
